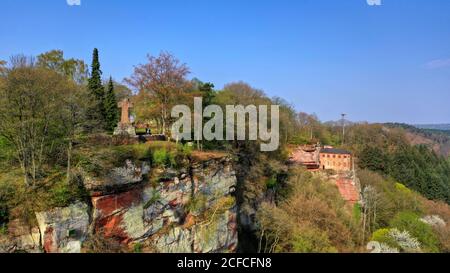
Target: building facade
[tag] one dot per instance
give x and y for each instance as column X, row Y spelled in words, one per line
column 335, row 159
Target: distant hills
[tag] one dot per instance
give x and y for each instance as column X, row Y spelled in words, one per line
column 436, row 136
column 440, row 127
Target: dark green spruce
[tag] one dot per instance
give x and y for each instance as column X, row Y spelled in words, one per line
column 110, row 106
column 95, row 84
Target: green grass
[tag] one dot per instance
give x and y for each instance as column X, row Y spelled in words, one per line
column 155, row 198
column 98, row 161
column 140, row 131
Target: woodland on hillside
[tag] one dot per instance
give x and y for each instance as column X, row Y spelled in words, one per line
column 53, row 111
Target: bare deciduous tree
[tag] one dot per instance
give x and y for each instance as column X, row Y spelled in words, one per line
column 163, row 78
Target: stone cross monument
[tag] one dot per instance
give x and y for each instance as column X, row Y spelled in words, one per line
column 125, row 105
column 125, row 127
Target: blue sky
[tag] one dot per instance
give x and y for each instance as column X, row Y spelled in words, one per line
column 375, row 63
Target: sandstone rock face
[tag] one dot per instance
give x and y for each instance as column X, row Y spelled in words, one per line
column 119, row 179
column 184, row 211
column 63, row 230
column 21, row 238
column 160, row 215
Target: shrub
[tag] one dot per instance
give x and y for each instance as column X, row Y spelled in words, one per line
column 271, row 182
column 197, row 204
column 163, row 158
column 383, row 236
column 186, row 150
column 98, row 243
column 312, row 207
column 61, row 195
column 408, row 221
column 137, row 248
column 443, row 210
column 160, row 158
column 391, row 199
column 92, row 162
column 396, row 239
column 310, row 240
column 406, row 242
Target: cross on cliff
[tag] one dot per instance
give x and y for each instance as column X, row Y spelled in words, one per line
column 125, row 105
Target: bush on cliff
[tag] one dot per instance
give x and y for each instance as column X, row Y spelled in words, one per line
column 310, row 206
column 21, row 202
column 163, row 158
column 391, row 198
column 408, row 221
column 98, row 243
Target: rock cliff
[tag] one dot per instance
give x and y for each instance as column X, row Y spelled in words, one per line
column 190, row 210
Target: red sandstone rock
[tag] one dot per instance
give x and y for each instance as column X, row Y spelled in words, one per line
column 109, row 212
column 190, row 221
column 348, row 191
column 49, row 243
column 109, row 204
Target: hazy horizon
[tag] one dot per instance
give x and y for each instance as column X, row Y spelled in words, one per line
column 388, row 63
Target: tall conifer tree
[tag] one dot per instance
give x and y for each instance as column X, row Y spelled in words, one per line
column 95, row 84
column 110, row 106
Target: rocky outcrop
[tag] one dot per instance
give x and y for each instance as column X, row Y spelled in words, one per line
column 190, row 210
column 21, row 238
column 63, row 230
column 164, row 214
column 119, row 179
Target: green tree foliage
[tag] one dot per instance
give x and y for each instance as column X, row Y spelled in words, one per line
column 374, row 159
column 382, row 236
column 110, row 106
column 311, row 217
column 72, row 68
column 398, row 207
column 204, row 90
column 76, row 100
column 96, row 88
column 417, row 167
column 43, row 111
column 122, row 91
column 29, row 120
column 408, row 221
column 391, row 197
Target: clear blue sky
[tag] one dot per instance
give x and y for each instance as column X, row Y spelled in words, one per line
column 376, row 63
